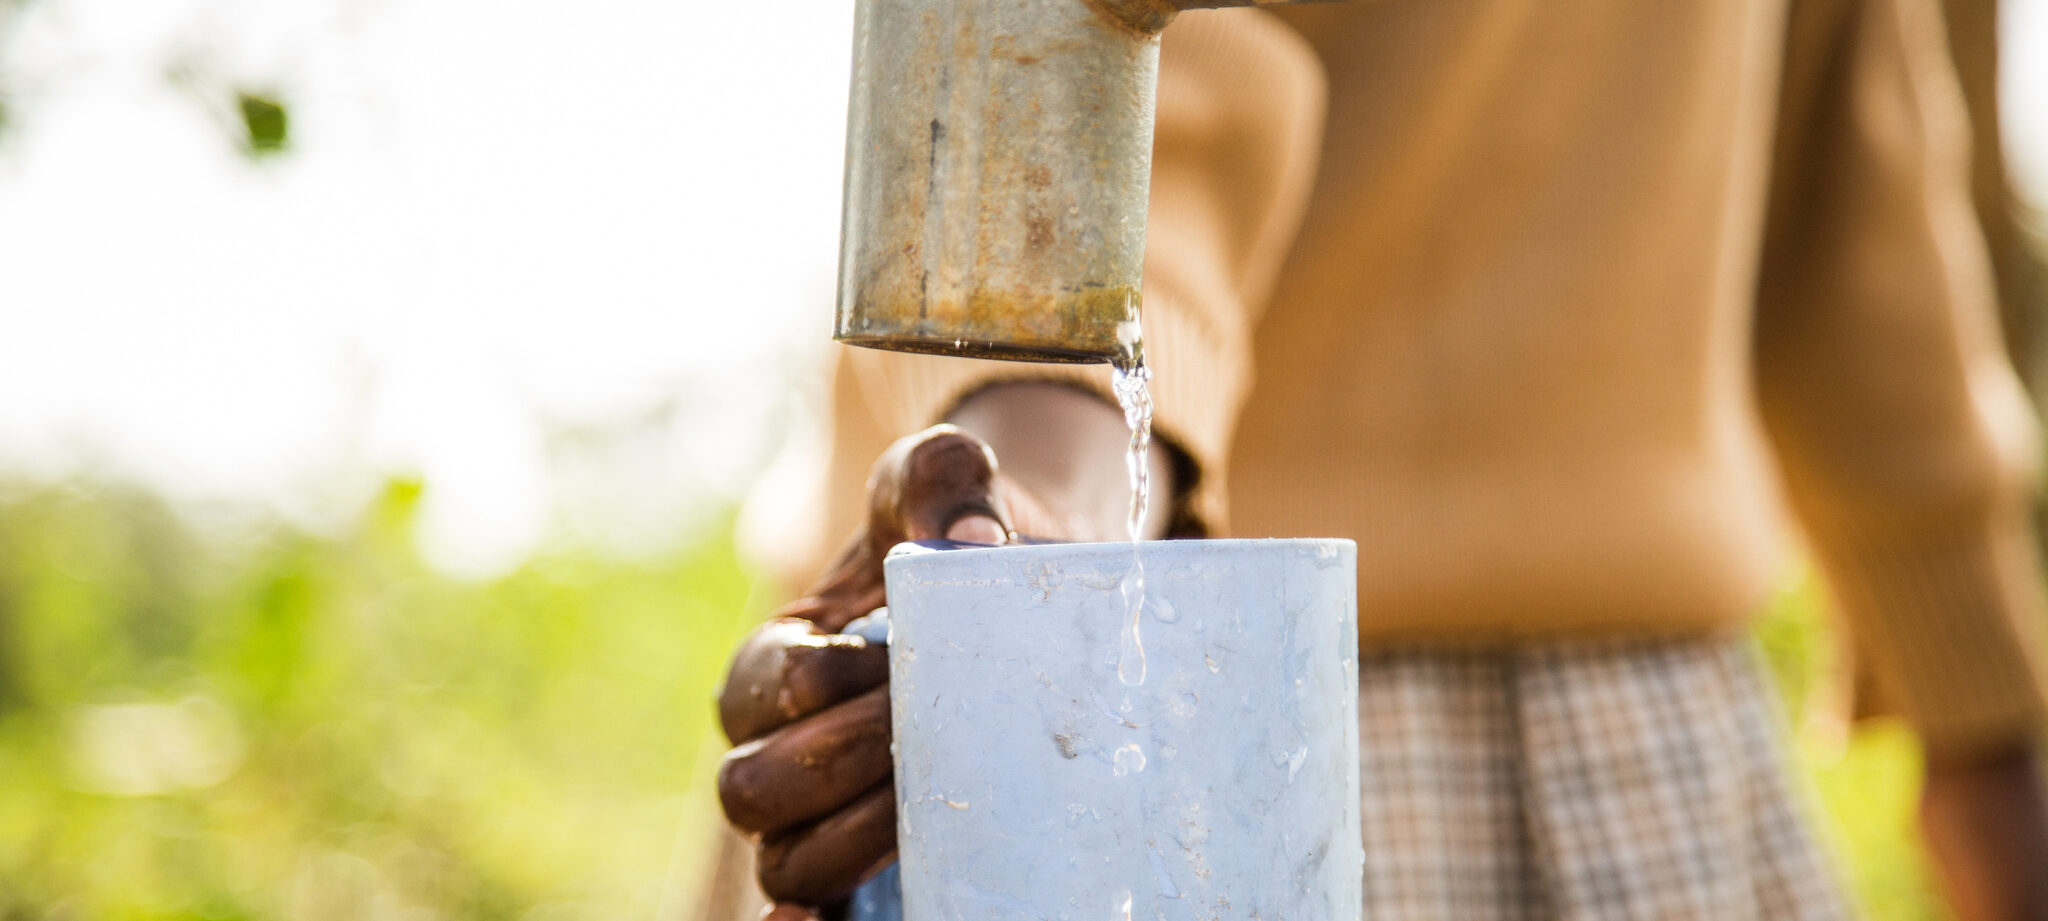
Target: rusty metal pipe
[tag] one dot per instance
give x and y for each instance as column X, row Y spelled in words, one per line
column 998, row 157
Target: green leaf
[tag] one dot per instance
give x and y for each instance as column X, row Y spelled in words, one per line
column 268, row 124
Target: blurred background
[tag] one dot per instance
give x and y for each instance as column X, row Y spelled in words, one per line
column 379, row 385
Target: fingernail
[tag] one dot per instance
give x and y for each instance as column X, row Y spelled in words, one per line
column 976, row 529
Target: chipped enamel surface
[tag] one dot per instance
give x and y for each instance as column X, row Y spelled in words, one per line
column 1224, row 786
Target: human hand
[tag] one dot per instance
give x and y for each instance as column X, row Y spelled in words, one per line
column 1986, row 822
column 808, row 709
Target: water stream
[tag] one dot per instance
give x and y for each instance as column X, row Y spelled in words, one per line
column 1132, row 381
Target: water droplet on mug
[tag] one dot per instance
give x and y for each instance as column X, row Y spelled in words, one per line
column 1129, row 759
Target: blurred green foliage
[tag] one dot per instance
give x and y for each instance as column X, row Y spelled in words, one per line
column 267, row 123
column 258, row 722
column 1864, row 783
column 275, row 724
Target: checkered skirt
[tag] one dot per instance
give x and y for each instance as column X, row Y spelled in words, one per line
column 1582, row 782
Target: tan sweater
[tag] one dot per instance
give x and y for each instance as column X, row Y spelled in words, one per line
column 1563, row 310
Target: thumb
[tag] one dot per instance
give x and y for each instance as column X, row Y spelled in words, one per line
column 937, row 484
column 977, row 529
column 787, row 911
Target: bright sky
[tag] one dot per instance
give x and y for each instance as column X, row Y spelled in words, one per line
column 498, row 220
column 559, row 260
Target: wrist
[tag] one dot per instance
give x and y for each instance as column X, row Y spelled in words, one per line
column 1984, row 814
column 1067, row 447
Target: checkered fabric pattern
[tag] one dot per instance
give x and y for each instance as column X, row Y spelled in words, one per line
column 1581, row 782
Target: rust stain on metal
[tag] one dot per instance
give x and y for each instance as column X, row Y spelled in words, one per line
column 998, row 163
column 1138, row 17
column 1005, row 47
column 998, row 159
column 1078, row 326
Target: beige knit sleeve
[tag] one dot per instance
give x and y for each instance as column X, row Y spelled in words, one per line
column 1239, row 121
column 1905, row 441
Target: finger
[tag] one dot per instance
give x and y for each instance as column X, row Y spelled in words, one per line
column 787, row 911
column 808, row 769
column 841, row 598
column 831, row 669
column 977, row 529
column 850, row 588
column 787, row 670
column 827, row 860
column 950, row 476
column 927, row 481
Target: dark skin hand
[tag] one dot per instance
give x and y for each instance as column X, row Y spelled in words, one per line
column 808, row 709
column 1986, row 821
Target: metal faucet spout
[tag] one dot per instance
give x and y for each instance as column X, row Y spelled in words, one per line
column 998, row 157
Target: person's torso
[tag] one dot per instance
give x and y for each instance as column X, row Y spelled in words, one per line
column 1509, row 351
